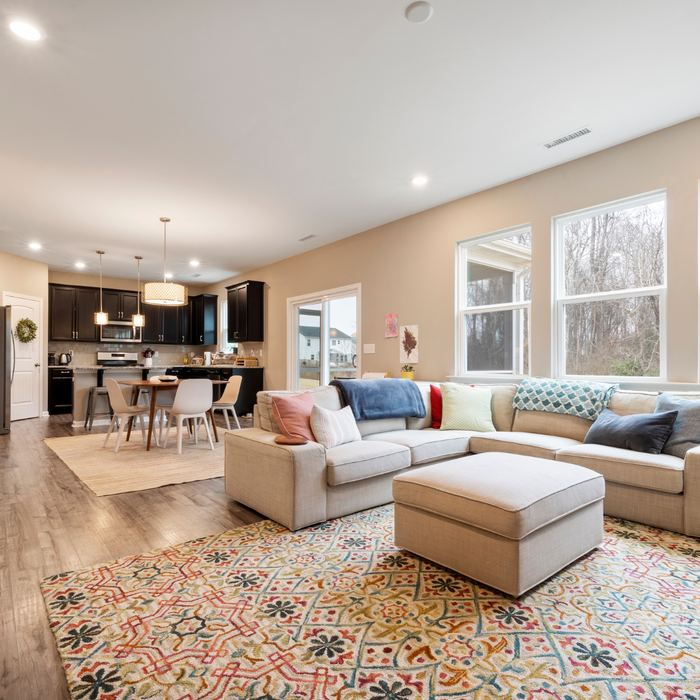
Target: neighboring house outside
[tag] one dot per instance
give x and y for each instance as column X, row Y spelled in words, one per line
column 342, row 349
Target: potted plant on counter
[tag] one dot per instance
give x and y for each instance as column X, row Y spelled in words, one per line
column 148, row 357
column 407, row 372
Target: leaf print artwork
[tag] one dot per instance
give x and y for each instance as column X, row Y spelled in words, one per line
column 409, row 344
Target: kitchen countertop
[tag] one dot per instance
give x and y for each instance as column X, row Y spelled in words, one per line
column 111, row 368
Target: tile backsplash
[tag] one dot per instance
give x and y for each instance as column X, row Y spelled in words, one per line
column 86, row 353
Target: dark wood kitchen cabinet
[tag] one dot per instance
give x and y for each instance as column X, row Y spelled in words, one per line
column 72, row 312
column 162, row 324
column 184, row 318
column 119, row 306
column 204, row 319
column 246, row 312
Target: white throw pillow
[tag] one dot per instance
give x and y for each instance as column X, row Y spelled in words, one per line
column 333, row 428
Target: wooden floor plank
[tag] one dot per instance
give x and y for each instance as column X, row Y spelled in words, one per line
column 50, row 522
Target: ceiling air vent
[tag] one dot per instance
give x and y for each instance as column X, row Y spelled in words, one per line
column 569, row 137
column 307, row 238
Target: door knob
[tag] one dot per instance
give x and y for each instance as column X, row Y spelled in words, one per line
column 36, row 364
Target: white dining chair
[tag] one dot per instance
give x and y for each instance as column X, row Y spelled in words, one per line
column 192, row 400
column 123, row 412
column 228, row 399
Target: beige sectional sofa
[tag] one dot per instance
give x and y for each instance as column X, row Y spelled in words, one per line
column 306, row 484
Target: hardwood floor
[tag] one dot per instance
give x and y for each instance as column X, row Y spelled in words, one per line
column 50, row 522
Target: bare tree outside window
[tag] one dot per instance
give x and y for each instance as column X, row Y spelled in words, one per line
column 613, row 265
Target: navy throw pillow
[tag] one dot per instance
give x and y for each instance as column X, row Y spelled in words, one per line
column 686, row 431
column 644, row 432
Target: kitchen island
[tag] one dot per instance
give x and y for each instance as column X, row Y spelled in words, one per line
column 86, row 376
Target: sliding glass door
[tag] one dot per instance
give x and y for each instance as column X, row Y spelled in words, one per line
column 323, row 337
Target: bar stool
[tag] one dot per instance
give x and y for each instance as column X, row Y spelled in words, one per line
column 90, row 414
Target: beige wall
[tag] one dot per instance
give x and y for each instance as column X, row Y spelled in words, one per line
column 24, row 276
column 408, row 266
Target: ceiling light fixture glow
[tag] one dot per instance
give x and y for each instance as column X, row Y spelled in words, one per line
column 194, row 263
column 26, row 30
column 80, row 265
column 168, row 275
column 35, row 246
column 419, row 180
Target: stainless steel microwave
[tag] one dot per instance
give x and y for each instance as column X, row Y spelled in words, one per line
column 120, row 332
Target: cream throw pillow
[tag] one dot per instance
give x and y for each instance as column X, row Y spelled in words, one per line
column 333, row 428
column 466, row 408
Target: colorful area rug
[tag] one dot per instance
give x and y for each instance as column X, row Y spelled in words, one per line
column 106, row 472
column 336, row 612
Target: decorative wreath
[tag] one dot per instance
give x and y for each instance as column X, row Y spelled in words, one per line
column 25, row 330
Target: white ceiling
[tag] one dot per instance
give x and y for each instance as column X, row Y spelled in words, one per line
column 255, row 123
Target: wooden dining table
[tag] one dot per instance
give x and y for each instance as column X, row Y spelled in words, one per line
column 154, row 388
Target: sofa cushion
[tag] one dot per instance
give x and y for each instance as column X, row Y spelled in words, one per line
column 293, row 415
column 466, row 408
column 509, row 495
column 545, row 423
column 530, row 444
column 641, row 432
column 686, row 430
column 334, row 428
column 648, row 471
column 381, row 425
column 324, row 396
column 355, row 461
column 429, row 445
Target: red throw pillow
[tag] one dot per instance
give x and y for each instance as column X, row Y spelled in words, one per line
column 293, row 415
column 436, row 406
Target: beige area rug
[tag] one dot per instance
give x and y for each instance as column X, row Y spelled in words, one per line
column 132, row 468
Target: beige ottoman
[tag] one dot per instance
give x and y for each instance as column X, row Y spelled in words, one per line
column 502, row 519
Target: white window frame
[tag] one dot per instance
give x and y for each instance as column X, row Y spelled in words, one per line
column 463, row 310
column 224, row 345
column 292, row 330
column 560, row 299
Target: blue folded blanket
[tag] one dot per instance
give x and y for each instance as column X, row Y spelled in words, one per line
column 371, row 399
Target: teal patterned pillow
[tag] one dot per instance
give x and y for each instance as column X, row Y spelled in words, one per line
column 575, row 397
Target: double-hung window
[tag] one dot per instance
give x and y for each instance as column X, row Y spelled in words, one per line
column 610, row 288
column 493, row 290
column 224, row 345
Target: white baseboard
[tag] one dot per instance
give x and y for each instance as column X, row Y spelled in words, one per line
column 44, row 414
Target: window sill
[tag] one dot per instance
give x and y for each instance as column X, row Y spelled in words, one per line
column 639, row 384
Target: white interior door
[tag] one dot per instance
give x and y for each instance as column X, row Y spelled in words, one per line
column 26, row 358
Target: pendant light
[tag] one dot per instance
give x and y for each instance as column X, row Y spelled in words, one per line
column 164, row 293
column 138, row 319
column 100, row 316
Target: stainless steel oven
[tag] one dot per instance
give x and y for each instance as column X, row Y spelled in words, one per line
column 120, row 332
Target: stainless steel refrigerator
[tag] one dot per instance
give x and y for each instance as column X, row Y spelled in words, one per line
column 6, row 369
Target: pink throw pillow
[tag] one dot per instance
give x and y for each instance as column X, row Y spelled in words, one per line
column 293, row 415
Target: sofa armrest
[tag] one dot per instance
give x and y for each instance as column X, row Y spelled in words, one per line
column 691, row 492
column 284, row 482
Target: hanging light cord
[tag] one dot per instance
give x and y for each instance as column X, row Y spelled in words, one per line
column 138, row 287
column 164, row 234
column 100, row 253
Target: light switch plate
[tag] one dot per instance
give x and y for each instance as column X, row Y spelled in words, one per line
column 369, row 349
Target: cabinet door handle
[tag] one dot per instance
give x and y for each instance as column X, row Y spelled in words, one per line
column 183, row 338
column 201, row 338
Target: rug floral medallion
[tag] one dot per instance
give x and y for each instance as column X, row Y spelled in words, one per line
column 337, row 612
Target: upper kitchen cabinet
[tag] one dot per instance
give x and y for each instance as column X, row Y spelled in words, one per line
column 245, row 312
column 72, row 312
column 162, row 324
column 119, row 306
column 184, row 317
column 204, row 319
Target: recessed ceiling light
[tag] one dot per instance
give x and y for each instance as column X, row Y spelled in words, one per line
column 168, row 275
column 35, row 246
column 194, row 263
column 80, row 265
column 419, row 180
column 26, row 30
column 418, row 12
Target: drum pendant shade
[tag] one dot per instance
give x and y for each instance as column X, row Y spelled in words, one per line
column 164, row 293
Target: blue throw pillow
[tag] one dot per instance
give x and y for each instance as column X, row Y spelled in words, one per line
column 686, row 431
column 645, row 432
